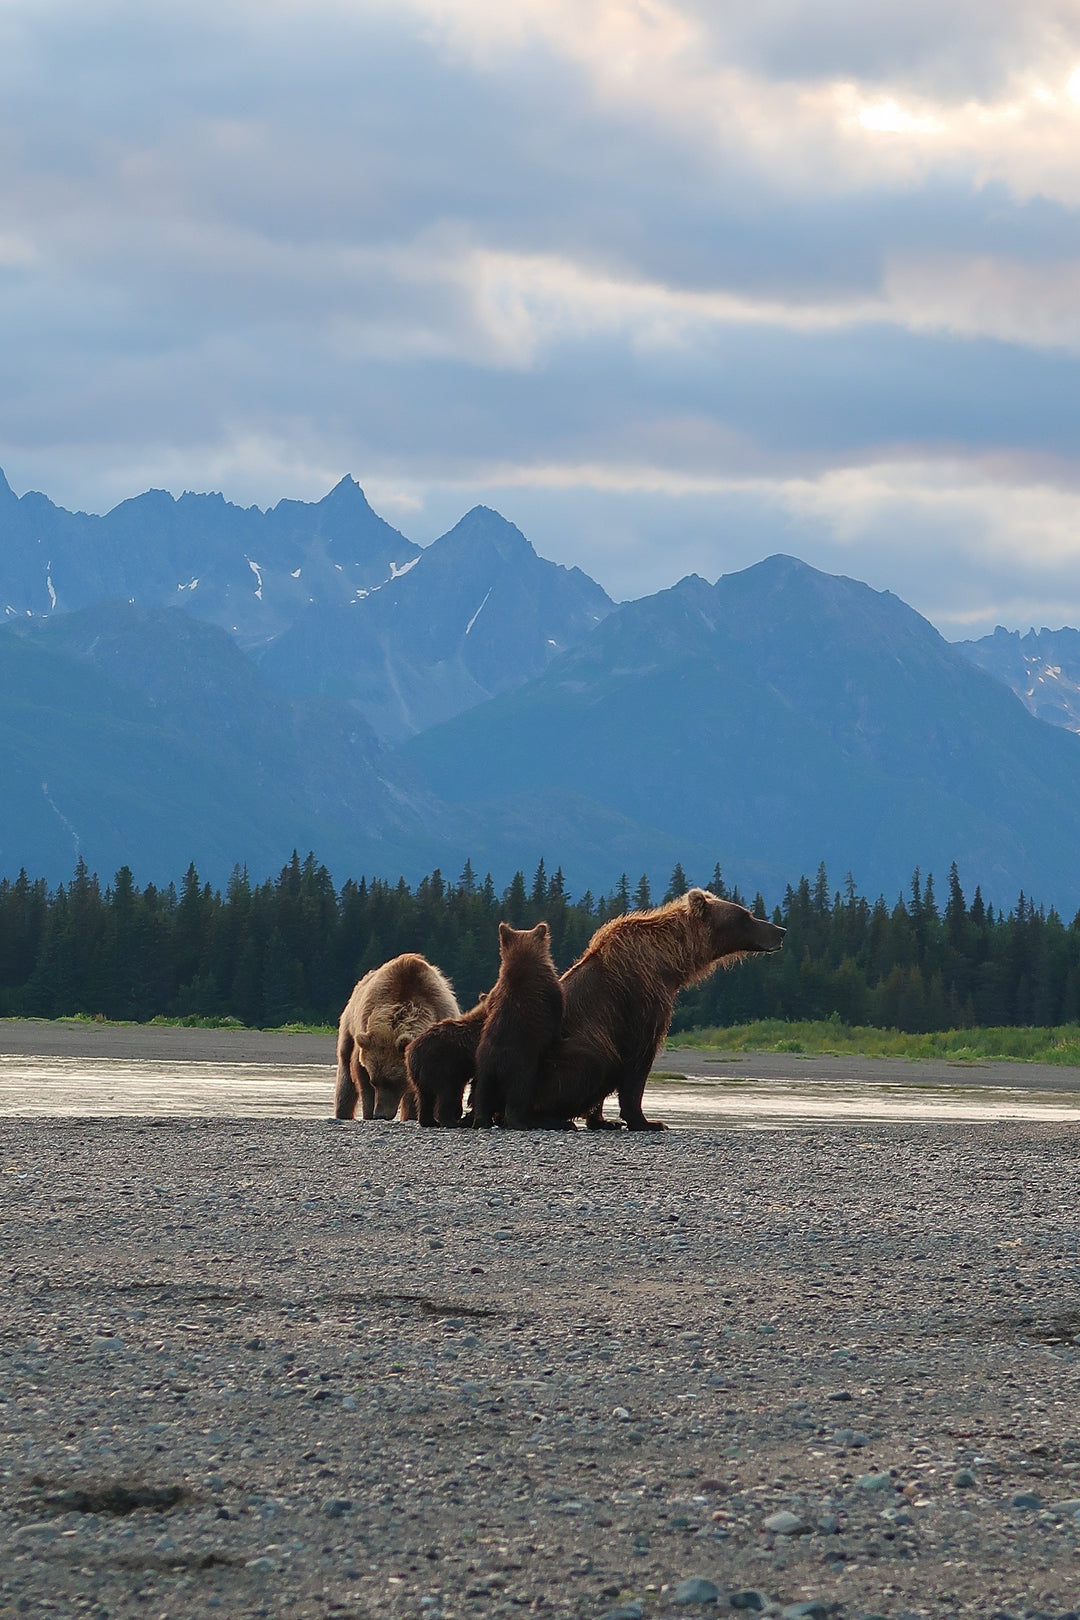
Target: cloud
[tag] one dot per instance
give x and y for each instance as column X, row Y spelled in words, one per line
column 802, row 271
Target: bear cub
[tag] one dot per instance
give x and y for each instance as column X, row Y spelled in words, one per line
column 524, row 1017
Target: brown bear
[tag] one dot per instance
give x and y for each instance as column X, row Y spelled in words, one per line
column 619, row 996
column 440, row 1064
column 524, row 1014
column 389, row 1007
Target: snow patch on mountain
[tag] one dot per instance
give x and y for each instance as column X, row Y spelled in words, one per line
column 479, row 610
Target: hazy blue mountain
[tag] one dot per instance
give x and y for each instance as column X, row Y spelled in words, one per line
column 1043, row 669
column 251, row 572
column 780, row 717
column 147, row 738
column 476, row 613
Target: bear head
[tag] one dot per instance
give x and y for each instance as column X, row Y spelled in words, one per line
column 729, row 930
column 383, row 1038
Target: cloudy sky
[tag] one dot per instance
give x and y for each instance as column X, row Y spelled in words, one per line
column 672, row 283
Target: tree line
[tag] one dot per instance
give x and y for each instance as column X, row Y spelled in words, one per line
column 289, row 950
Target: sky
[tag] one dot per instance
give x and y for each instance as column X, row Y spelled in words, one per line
column 673, row 284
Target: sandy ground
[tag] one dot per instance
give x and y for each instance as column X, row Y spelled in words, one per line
column 74, row 1038
column 286, row 1367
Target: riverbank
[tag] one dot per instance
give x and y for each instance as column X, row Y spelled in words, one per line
column 370, row 1371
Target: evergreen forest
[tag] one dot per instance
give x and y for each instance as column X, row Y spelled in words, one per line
column 289, row 950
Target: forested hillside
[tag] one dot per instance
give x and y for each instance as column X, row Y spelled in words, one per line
column 290, row 949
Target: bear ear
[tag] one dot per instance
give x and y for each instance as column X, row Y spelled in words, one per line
column 506, row 933
column 698, row 902
column 542, row 931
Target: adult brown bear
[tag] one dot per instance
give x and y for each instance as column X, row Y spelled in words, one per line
column 440, row 1064
column 524, row 1014
column 619, row 996
column 389, row 1007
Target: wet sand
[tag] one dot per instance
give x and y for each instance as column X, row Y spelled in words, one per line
column 76, row 1038
column 85, row 1069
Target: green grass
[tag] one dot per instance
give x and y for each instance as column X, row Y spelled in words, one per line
column 831, row 1038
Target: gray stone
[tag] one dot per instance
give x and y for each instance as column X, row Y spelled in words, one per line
column 1026, row 1499
column 625, row 1611
column 757, row 1601
column 335, row 1506
column 840, row 1395
column 963, row 1479
column 812, row 1609
column 697, row 1589
column 828, row 1524
column 786, row 1524
column 873, row 1482
column 1069, row 1507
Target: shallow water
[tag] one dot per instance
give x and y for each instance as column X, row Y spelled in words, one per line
column 106, row 1086
column 80, row 1086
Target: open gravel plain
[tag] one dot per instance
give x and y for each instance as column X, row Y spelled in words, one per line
column 286, row 1367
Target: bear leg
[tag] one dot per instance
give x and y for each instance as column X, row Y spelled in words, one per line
column 485, row 1096
column 346, row 1095
column 630, row 1095
column 595, row 1121
column 366, row 1090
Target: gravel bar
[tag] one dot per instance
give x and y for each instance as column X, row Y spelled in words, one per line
column 290, row 1367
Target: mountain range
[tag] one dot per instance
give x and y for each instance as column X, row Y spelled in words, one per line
column 189, row 680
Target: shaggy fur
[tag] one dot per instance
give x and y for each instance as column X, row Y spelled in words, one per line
column 619, row 996
column 389, row 1007
column 524, row 1013
column 440, row 1064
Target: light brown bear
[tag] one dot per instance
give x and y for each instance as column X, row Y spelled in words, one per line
column 389, row 1007
column 619, row 996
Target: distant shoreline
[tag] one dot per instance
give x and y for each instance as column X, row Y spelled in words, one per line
column 179, row 1043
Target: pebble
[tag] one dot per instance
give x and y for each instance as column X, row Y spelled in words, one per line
column 750, row 1599
column 873, row 1482
column 697, row 1589
column 1026, row 1499
column 621, row 1413
column 1070, row 1506
column 336, row 1506
column 812, row 1609
column 625, row 1611
column 963, row 1479
column 786, row 1524
column 840, row 1395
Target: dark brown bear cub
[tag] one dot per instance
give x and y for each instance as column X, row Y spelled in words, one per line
column 440, row 1064
column 524, row 1015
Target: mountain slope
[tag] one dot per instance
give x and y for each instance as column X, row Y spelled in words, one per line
column 477, row 613
column 781, row 717
column 1042, row 668
column 146, row 738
